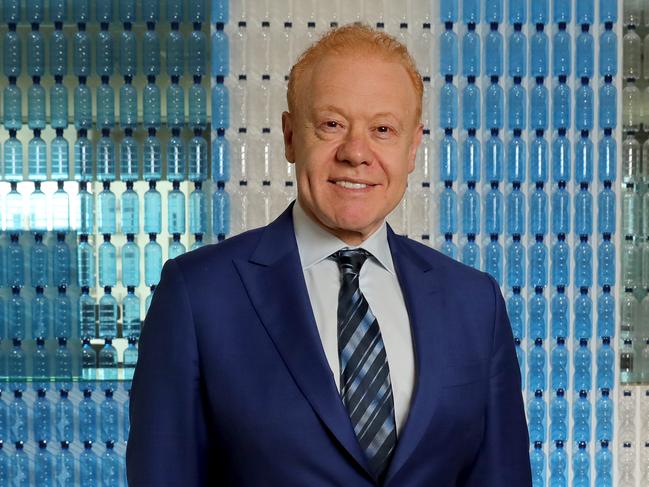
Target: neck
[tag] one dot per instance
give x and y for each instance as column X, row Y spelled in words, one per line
column 350, row 237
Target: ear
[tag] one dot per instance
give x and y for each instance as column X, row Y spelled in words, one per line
column 287, row 129
column 416, row 141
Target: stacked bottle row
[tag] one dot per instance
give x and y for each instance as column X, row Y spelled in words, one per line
column 633, row 436
column 116, row 106
column 560, row 298
column 634, row 199
column 66, row 437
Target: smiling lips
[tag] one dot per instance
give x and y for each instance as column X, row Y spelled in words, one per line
column 348, row 184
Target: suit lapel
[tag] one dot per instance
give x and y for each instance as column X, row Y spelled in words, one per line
column 426, row 310
column 275, row 283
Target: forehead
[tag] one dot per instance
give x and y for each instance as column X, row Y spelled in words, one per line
column 360, row 83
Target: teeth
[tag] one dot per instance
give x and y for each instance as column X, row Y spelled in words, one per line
column 350, row 185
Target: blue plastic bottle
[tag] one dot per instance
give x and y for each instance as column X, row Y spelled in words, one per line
column 131, row 314
column 583, row 264
column 64, row 418
column 108, row 414
column 605, row 365
column 559, row 417
column 88, row 471
column 110, row 466
column 107, row 263
column 558, row 465
column 87, row 314
column 107, row 359
column 582, row 363
column 42, row 411
column 537, row 366
column 536, row 417
column 87, row 417
column 581, row 418
column 559, row 362
column 152, row 261
column 130, row 263
column 65, row 465
column 107, row 317
column 515, row 264
column 63, row 365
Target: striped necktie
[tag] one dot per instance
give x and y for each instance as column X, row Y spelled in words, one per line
column 364, row 373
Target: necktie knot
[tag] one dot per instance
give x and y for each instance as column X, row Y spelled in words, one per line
column 350, row 261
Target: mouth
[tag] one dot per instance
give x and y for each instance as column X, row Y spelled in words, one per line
column 352, row 184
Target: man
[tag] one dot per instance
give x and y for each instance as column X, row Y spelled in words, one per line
column 323, row 349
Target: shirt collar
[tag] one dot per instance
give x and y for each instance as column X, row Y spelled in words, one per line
column 316, row 244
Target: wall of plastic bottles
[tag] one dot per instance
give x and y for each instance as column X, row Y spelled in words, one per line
column 105, row 171
column 102, row 158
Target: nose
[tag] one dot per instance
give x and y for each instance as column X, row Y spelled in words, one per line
column 355, row 149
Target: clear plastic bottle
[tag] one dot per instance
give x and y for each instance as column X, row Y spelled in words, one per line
column 631, row 107
column 632, row 54
column 632, row 12
column 627, row 359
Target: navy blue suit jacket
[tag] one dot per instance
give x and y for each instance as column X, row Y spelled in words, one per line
column 232, row 386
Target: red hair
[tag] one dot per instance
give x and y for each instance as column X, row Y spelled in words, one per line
column 354, row 38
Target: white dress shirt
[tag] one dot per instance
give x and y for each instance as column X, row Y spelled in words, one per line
column 379, row 284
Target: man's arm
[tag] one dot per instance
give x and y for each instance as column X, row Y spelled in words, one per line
column 168, row 437
column 504, row 455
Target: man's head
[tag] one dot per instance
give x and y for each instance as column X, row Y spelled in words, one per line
column 353, row 128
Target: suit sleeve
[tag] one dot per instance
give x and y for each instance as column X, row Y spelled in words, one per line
column 503, row 458
column 167, row 439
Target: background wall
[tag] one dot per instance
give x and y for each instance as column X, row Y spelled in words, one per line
column 517, row 176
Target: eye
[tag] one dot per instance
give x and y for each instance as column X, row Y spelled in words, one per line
column 384, row 131
column 332, row 124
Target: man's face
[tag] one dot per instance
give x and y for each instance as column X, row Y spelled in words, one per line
column 353, row 140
